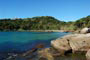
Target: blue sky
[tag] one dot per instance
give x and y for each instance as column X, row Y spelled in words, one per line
column 66, row 10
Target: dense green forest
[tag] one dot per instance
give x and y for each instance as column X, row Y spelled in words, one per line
column 42, row 23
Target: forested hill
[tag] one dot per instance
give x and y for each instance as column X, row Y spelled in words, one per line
column 35, row 23
column 42, row 23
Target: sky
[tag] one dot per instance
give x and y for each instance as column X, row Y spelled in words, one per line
column 65, row 10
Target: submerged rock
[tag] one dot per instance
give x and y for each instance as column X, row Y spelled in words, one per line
column 49, row 54
column 40, row 46
column 45, row 54
column 27, row 55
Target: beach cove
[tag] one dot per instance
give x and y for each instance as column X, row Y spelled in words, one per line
column 38, row 46
column 19, row 42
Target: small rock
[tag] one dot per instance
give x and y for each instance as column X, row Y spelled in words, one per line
column 45, row 53
column 85, row 30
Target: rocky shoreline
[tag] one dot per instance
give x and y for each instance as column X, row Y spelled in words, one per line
column 47, row 31
column 77, row 43
column 73, row 44
column 38, row 31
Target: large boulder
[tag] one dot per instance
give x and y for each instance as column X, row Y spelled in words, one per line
column 80, row 43
column 62, row 44
column 88, row 55
column 85, row 30
column 74, row 42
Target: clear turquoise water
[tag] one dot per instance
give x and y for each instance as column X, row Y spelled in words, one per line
column 23, row 41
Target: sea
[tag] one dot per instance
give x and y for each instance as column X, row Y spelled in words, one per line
column 18, row 42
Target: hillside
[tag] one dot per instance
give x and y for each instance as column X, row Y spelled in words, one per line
column 42, row 23
column 35, row 23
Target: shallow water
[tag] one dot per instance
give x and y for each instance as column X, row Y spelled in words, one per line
column 72, row 57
